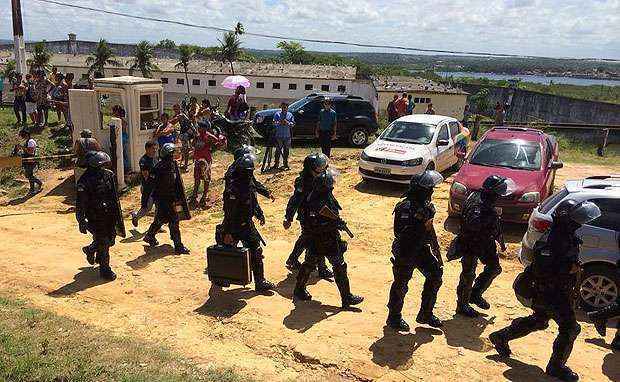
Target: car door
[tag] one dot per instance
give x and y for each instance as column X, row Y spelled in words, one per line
column 343, row 115
column 306, row 119
column 601, row 236
column 444, row 153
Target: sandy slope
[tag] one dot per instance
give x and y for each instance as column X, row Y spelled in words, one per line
column 167, row 299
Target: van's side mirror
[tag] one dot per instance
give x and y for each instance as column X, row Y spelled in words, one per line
column 442, row 142
column 555, row 165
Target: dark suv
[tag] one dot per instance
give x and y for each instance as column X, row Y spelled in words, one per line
column 357, row 119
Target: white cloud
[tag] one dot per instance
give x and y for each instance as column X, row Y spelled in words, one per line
column 534, row 27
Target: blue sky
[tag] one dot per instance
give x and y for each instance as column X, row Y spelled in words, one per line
column 557, row 28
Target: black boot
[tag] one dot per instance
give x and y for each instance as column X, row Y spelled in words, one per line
column 428, row 319
column 180, row 249
column 260, row 283
column 562, row 372
column 500, row 343
column 344, row 287
column 478, row 300
column 324, row 272
column 150, row 240
column 300, row 291
column 105, row 272
column 467, row 311
column 396, row 322
column 90, row 254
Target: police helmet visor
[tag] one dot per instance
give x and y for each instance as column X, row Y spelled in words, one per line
column 430, row 179
column 319, row 164
column 584, row 212
column 334, row 174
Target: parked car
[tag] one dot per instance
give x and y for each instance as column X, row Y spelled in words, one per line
column 600, row 252
column 527, row 156
column 412, row 144
column 357, row 118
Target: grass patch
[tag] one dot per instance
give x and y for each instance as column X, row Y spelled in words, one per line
column 40, row 346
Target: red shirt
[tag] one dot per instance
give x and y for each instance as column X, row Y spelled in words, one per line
column 206, row 140
column 401, row 106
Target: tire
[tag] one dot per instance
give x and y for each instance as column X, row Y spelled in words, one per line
column 599, row 286
column 358, row 137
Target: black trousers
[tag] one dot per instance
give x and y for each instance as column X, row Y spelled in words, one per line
column 250, row 238
column 325, row 140
column 298, row 249
column 470, row 285
column 404, row 263
column 326, row 244
column 166, row 214
column 29, row 172
column 103, row 238
column 19, row 108
column 557, row 306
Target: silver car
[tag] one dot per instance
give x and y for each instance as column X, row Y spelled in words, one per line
column 600, row 251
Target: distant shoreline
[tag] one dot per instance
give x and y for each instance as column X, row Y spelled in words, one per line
column 579, row 80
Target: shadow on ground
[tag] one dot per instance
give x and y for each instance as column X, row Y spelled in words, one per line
column 88, row 277
column 65, row 189
column 151, row 254
column 465, row 332
column 226, row 303
column 396, row 349
column 520, row 371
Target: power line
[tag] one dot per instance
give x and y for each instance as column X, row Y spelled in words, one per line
column 310, row 40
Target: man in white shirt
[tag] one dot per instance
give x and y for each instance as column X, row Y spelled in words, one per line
column 28, row 151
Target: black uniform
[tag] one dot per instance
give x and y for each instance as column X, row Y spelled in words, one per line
column 480, row 229
column 323, row 240
column 303, row 187
column 554, row 298
column 413, row 247
column 600, row 318
column 168, row 193
column 240, row 207
column 98, row 211
column 147, row 163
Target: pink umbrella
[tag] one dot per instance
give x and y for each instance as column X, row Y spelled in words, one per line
column 232, row 82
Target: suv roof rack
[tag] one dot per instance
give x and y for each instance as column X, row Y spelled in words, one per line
column 515, row 128
column 334, row 95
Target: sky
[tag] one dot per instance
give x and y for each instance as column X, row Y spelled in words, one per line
column 555, row 28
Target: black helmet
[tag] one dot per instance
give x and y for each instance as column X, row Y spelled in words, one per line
column 86, row 133
column 245, row 163
column 316, row 162
column 498, row 186
column 580, row 213
column 97, row 159
column 166, row 150
column 243, row 150
column 427, row 180
column 324, row 182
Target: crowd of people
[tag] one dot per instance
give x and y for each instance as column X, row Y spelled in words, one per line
column 403, row 105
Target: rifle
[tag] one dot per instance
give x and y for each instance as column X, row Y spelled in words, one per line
column 342, row 225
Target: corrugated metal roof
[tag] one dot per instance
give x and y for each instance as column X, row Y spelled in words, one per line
column 399, row 84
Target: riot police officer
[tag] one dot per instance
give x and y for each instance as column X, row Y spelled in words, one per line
column 555, row 271
column 480, row 229
column 98, row 211
column 168, row 193
column 238, row 154
column 415, row 246
column 314, row 165
column 321, row 227
column 600, row 318
column 240, row 207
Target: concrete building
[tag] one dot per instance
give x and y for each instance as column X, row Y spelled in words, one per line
column 445, row 99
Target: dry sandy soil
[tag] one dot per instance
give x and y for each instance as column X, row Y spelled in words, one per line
column 168, row 300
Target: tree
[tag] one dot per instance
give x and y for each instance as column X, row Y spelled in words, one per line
column 186, row 54
column 230, row 46
column 481, row 102
column 41, row 57
column 294, row 53
column 100, row 57
column 166, row 44
column 9, row 71
column 143, row 60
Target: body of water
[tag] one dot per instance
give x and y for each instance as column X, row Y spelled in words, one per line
column 533, row 78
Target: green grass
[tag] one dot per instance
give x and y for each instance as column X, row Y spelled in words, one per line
column 39, row 346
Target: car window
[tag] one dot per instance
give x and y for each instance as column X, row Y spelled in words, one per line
column 610, row 214
column 409, row 132
column 312, row 108
column 516, row 154
column 342, row 107
column 455, row 129
column 443, row 133
column 553, row 200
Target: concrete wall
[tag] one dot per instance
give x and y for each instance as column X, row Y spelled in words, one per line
column 451, row 105
column 527, row 106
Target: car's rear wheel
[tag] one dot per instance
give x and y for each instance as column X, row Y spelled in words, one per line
column 358, row 136
column 600, row 286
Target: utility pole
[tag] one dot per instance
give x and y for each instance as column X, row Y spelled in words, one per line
column 19, row 47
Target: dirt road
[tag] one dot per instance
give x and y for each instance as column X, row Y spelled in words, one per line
column 167, row 299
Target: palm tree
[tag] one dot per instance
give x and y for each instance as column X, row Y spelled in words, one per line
column 230, row 46
column 100, row 57
column 144, row 59
column 41, row 57
column 9, row 71
column 186, row 54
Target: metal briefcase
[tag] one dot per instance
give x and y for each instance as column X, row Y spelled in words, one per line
column 228, row 265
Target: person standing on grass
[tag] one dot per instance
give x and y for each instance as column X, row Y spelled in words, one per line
column 203, row 145
column 410, row 105
column 19, row 100
column 31, row 105
column 147, row 163
column 283, row 122
column 28, row 151
column 326, row 127
column 63, row 104
column 391, row 109
column 41, row 88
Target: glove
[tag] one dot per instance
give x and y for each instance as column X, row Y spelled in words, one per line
column 83, row 227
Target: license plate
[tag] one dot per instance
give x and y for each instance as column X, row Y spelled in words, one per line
column 383, row 171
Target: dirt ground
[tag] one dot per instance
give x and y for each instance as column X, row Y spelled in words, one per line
column 167, row 299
